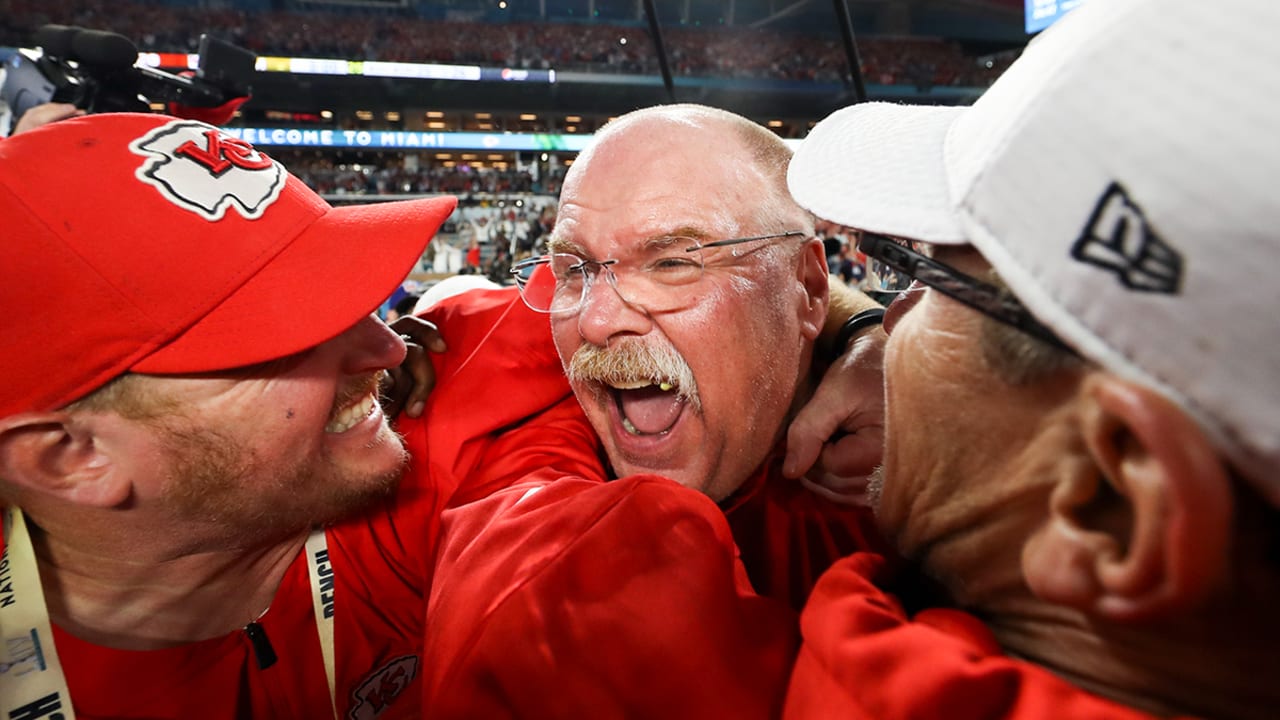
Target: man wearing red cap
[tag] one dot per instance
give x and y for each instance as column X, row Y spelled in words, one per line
column 201, row 499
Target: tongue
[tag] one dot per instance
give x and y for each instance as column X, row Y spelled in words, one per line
column 649, row 409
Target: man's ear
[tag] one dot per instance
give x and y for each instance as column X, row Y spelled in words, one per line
column 813, row 276
column 51, row 454
column 1140, row 521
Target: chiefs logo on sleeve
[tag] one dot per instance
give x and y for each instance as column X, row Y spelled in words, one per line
column 382, row 687
column 198, row 168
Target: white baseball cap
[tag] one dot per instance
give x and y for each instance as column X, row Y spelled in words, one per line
column 1118, row 178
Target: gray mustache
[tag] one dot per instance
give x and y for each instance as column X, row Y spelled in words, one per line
column 630, row 362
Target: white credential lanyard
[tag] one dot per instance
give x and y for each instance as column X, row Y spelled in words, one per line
column 321, row 572
column 32, row 684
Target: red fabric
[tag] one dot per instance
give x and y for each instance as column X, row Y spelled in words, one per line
column 586, row 599
column 621, row 599
column 789, row 536
column 217, row 294
column 625, row 601
column 219, row 115
column 500, row 369
column 379, row 569
column 382, row 561
column 862, row 658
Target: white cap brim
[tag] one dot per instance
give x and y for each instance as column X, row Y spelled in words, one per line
column 898, row 185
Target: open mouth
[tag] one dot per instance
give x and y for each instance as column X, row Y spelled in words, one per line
column 647, row 407
column 351, row 415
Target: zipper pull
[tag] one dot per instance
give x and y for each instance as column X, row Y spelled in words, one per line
column 262, row 650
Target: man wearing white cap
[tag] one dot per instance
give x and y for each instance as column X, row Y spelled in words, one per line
column 1082, row 383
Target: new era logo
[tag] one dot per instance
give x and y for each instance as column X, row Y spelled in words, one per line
column 1118, row 238
column 198, row 168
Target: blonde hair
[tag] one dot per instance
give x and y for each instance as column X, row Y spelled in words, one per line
column 1019, row 358
column 127, row 395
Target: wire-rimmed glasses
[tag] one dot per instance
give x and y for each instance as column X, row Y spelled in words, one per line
column 657, row 279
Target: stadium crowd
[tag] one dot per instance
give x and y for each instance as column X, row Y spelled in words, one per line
column 677, row 471
column 726, row 52
column 382, row 176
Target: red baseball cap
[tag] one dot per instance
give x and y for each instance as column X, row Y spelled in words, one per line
column 146, row 243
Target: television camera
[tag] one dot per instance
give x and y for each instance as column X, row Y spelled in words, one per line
column 98, row 71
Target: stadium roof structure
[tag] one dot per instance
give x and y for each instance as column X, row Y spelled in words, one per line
column 983, row 25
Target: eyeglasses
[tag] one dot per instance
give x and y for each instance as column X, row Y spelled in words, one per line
column 896, row 262
column 657, row 281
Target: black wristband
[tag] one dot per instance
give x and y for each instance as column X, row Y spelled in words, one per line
column 860, row 320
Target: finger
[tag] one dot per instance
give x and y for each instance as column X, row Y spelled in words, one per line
column 391, row 391
column 423, row 374
column 845, row 491
column 854, row 455
column 417, row 330
column 816, row 422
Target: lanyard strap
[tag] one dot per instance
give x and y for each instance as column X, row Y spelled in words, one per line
column 321, row 572
column 32, row 684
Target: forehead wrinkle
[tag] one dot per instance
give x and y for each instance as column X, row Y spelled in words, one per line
column 656, row 241
column 620, row 196
column 667, row 239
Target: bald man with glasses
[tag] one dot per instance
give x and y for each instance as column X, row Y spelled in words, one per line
column 686, row 297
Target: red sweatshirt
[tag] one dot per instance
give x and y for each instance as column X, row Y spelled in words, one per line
column 572, row 599
column 577, row 599
column 787, row 535
column 863, row 658
column 382, row 561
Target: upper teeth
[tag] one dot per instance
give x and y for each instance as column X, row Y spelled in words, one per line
column 637, row 384
column 350, row 415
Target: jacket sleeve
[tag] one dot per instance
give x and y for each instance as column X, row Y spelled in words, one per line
column 862, row 657
column 501, row 407
column 576, row 598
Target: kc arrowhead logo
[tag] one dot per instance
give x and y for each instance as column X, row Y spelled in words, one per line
column 198, row 168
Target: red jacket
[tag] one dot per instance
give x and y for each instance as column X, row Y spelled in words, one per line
column 380, row 585
column 787, row 535
column 862, row 657
column 577, row 599
column 584, row 598
column 500, row 371
column 382, row 561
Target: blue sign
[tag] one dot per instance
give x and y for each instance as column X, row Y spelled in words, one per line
column 1042, row 13
column 406, row 140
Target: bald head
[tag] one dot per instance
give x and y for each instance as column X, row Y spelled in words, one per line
column 687, row 134
column 737, row 338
